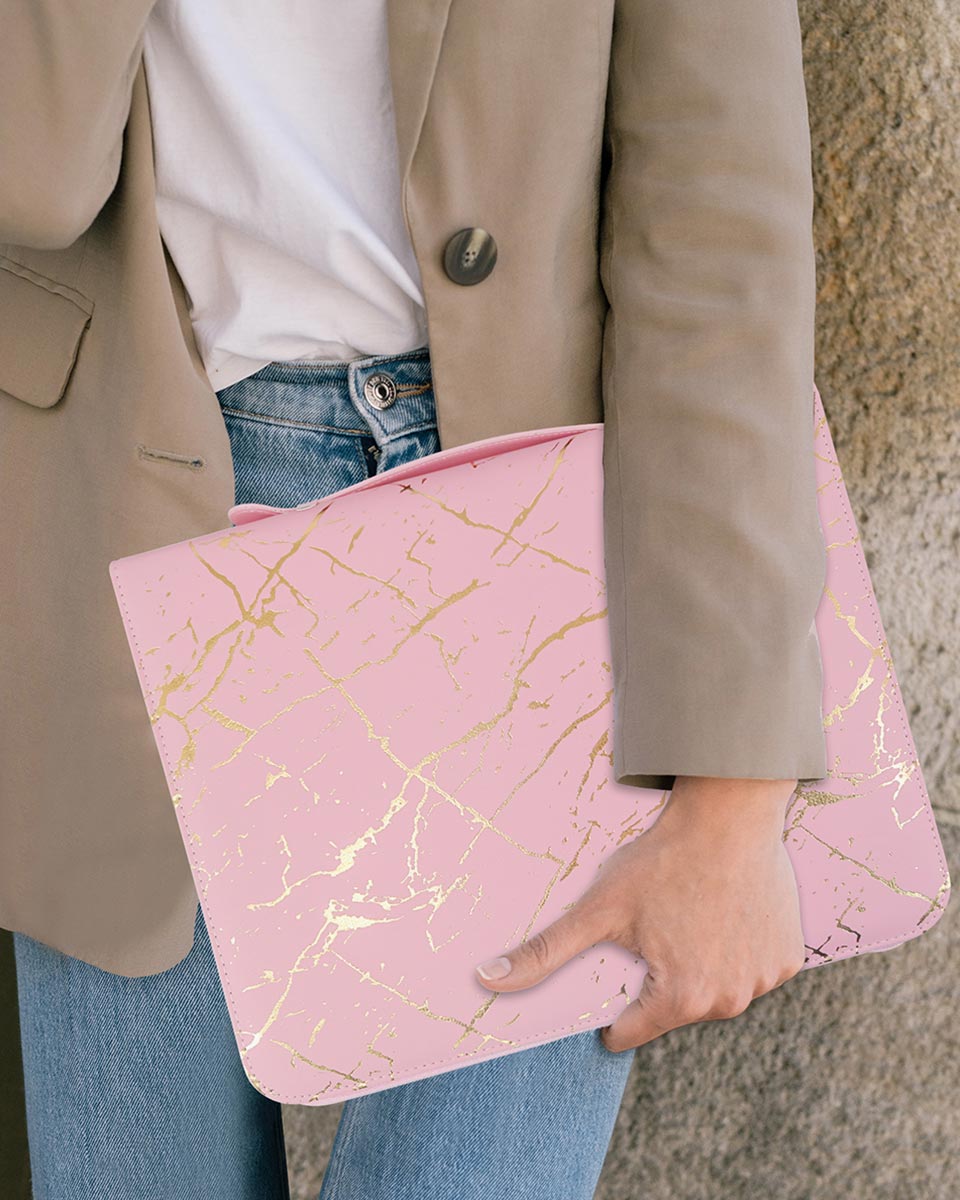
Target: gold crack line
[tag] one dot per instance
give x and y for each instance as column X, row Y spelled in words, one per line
column 346, row 854
column 336, row 561
column 888, row 883
column 461, row 515
column 538, row 767
column 383, row 741
column 245, row 613
column 424, row 1007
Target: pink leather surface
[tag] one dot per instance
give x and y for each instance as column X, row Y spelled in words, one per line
column 385, row 720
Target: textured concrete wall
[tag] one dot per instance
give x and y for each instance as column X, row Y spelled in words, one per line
column 884, row 96
column 843, row 1082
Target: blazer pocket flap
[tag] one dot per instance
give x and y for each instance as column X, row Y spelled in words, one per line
column 43, row 323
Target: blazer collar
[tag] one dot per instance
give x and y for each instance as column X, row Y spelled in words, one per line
column 414, row 33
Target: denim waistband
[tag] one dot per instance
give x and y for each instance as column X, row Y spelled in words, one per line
column 388, row 394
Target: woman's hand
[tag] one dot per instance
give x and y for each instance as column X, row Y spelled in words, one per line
column 707, row 896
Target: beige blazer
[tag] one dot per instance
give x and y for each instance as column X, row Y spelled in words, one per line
column 644, row 167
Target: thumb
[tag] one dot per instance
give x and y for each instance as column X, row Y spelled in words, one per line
column 540, row 955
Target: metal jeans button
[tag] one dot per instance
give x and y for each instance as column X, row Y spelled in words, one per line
column 380, row 390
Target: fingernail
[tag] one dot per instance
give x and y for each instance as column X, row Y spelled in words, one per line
column 496, row 968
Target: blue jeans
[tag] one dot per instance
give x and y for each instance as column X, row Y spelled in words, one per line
column 135, row 1087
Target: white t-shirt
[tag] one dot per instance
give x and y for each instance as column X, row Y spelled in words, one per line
column 278, row 189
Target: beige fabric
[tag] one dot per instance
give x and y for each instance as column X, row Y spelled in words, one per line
column 655, row 270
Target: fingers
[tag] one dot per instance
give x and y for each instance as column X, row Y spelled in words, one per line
column 660, row 1007
column 650, row 1015
column 533, row 960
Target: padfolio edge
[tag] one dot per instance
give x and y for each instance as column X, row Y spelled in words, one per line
column 337, row 1013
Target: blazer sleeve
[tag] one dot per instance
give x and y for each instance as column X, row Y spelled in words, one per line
column 715, row 557
column 66, row 79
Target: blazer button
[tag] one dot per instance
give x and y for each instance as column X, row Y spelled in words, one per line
column 469, row 256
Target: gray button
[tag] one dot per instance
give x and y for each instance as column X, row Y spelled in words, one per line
column 380, row 390
column 469, row 256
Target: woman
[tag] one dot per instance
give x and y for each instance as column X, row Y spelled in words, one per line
column 255, row 257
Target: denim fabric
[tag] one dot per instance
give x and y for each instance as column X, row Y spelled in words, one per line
column 135, row 1087
column 300, row 429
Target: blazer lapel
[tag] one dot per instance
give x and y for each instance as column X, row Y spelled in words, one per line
column 414, row 33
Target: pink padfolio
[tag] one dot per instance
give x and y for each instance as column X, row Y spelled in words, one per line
column 385, row 718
